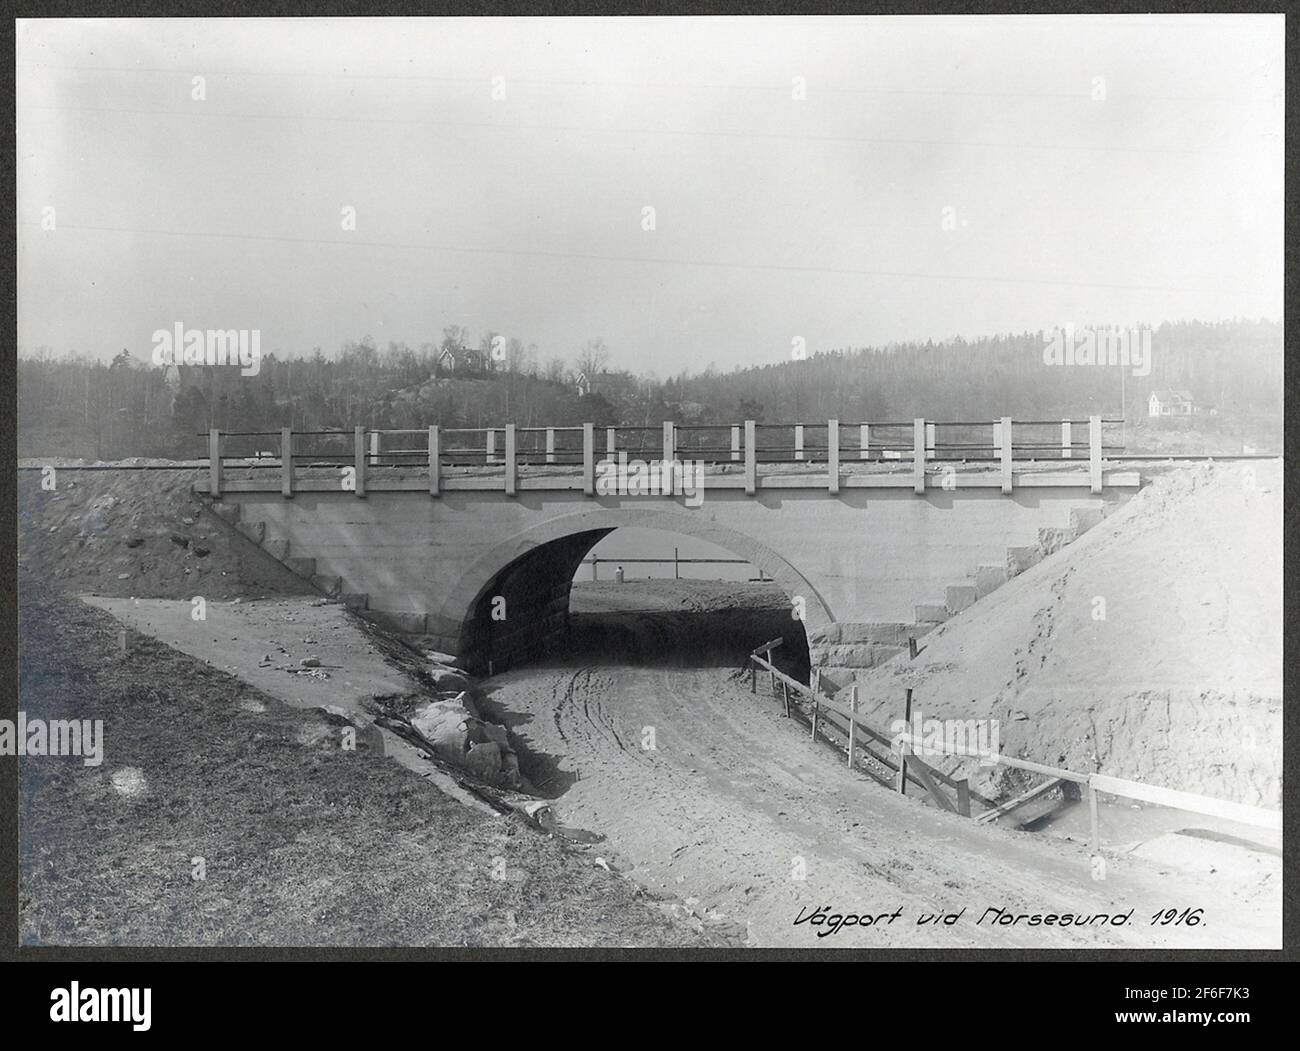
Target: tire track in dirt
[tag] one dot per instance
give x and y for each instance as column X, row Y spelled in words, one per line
column 733, row 799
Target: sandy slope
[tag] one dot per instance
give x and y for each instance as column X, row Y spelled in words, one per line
column 1179, row 685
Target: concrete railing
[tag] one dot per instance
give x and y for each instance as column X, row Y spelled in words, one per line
column 430, row 452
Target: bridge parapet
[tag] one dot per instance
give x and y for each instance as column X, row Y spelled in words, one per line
column 921, row 455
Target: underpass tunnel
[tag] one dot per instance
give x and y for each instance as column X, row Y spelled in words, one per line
column 523, row 613
column 679, row 601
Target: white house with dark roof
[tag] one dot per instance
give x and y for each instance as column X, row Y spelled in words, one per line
column 1171, row 403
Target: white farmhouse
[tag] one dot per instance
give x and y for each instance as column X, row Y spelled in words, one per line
column 1171, row 403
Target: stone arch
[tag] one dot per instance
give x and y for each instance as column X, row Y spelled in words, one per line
column 552, row 551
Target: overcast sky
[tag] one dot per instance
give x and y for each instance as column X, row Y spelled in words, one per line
column 775, row 217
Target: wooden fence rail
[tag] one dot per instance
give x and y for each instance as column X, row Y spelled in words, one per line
column 911, row 768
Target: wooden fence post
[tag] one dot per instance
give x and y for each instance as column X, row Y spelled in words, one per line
column 589, row 459
column 929, row 441
column 751, row 459
column 1093, row 827
column 918, row 455
column 359, row 454
column 798, row 441
column 963, row 797
column 374, row 448
column 864, row 441
column 1066, row 450
column 735, row 443
column 833, row 455
column 286, row 462
column 669, row 459
column 214, row 462
column 490, row 447
column 901, row 782
column 1094, row 453
column 435, row 462
column 512, row 465
column 1007, row 449
column 550, row 445
column 853, row 722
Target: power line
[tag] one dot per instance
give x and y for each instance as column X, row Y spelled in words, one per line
column 596, row 257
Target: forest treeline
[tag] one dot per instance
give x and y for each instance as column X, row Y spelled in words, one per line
column 71, row 406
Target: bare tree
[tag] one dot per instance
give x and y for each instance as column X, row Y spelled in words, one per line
column 593, row 358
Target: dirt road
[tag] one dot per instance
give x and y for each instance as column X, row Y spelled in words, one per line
column 708, row 792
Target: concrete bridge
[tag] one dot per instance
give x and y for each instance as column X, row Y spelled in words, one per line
column 470, row 539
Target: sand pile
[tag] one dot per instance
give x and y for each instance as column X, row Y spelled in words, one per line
column 1151, row 648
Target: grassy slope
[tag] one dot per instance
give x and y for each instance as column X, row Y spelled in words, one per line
column 304, row 842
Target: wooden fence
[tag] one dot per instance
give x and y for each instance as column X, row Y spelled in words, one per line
column 899, row 754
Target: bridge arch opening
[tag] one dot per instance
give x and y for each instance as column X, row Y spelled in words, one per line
column 531, row 597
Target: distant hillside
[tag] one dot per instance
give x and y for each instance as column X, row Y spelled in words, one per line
column 1234, row 366
column 76, row 407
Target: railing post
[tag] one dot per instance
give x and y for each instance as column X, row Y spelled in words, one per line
column 751, row 460
column 901, row 780
column 490, row 448
column 997, row 439
column 669, row 458
column 435, row 464
column 735, row 443
column 918, row 455
column 798, row 441
column 1007, row 449
column 1066, row 451
column 359, row 446
column 374, row 448
column 1093, row 827
column 589, row 464
column 512, row 467
column 214, row 462
column 853, row 722
column 929, row 441
column 864, row 441
column 1094, row 453
column 286, row 462
column 550, row 445
column 833, row 455
column 611, row 441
